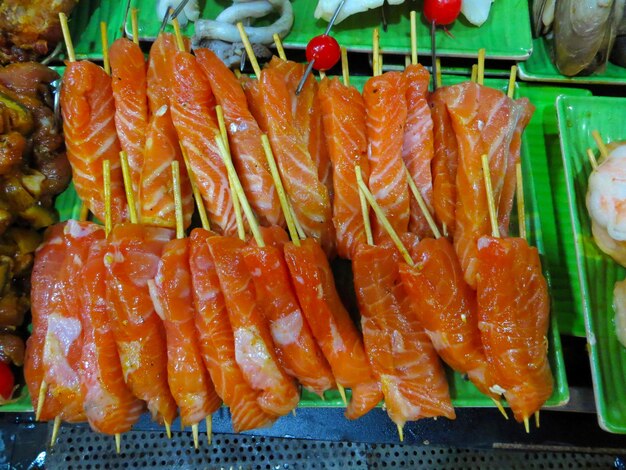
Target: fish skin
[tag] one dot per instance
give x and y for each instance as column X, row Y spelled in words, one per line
column 46, row 297
column 446, row 307
column 331, row 325
column 505, row 205
column 296, row 348
column 131, row 261
column 386, row 111
column 309, row 197
column 187, row 377
column 343, row 112
column 88, row 111
column 514, row 317
column 484, row 121
column 216, row 339
column 129, row 85
column 110, row 406
column 156, row 195
column 254, row 349
column 418, row 146
column 245, row 139
column 400, row 352
column 444, row 163
column 193, row 113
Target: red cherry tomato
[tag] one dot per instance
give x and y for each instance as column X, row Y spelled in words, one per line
column 7, row 382
column 325, row 50
column 442, row 12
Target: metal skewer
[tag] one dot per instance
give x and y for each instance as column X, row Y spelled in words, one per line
column 174, row 14
column 310, row 66
column 383, row 15
column 433, row 44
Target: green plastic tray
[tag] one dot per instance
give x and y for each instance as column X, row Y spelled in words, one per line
column 540, row 68
column 501, row 38
column 578, row 116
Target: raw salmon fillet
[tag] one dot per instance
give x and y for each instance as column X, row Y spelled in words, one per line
column 484, row 121
column 128, row 81
column 514, row 316
column 91, row 137
column 254, row 348
column 343, row 112
column 131, row 260
column 386, row 111
column 444, row 163
column 171, row 293
column 331, row 325
column 160, row 66
column 110, row 406
column 510, row 182
column 446, row 307
column 418, row 147
column 296, row 348
column 46, row 284
column 244, row 135
column 401, row 354
column 299, row 173
column 217, row 343
column 193, row 113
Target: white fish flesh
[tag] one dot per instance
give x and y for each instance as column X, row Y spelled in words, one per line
column 476, row 11
column 619, row 305
column 326, row 8
column 190, row 12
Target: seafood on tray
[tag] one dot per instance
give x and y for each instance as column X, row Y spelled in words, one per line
column 187, row 324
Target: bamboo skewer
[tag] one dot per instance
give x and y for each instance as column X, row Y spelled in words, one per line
column 134, row 25
column 249, row 50
column 345, row 70
column 480, row 73
column 204, row 219
column 413, row 37
column 279, row 46
column 55, row 430
column 592, row 159
column 438, row 72
column 69, row 46
column 474, row 73
column 493, row 217
column 422, row 204
column 375, row 53
column 604, row 153
column 511, row 88
column 105, row 48
column 521, row 213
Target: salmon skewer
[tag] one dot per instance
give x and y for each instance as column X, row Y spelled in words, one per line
column 160, row 66
column 131, row 260
column 344, row 126
column 444, row 163
column 188, row 380
column 245, row 139
column 402, row 356
column 254, row 348
column 129, row 85
column 386, row 110
column 216, row 339
column 46, row 284
column 309, row 196
column 194, row 117
column 514, row 313
column 446, row 307
column 417, row 147
column 109, row 405
column 297, row 350
column 90, row 136
column 484, row 121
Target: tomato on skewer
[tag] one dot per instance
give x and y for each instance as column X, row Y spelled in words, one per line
column 442, row 12
column 324, row 50
column 7, row 381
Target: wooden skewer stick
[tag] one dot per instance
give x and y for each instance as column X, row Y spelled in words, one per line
column 592, row 159
column 511, row 89
column 493, row 217
column 106, row 172
column 118, row 443
column 128, row 188
column 422, row 204
column 43, row 389
column 438, row 72
column 84, row 212
column 239, row 193
column 67, row 38
column 480, row 74
column 179, row 37
column 55, row 430
column 209, row 428
column 521, row 213
column 204, row 219
column 105, row 47
column 604, row 153
column 364, row 209
column 413, row 37
column 279, row 47
column 345, row 70
column 168, row 429
column 134, row 25
column 280, row 189
column 322, row 75
column 241, row 229
column 474, row 73
column 375, row 52
column 382, row 218
column 537, row 422
column 249, row 51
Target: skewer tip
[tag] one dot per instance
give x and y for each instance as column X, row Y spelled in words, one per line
column 501, row 409
column 118, row 443
column 400, row 432
column 55, row 430
column 537, row 422
column 527, row 425
column 194, row 431
column 209, row 428
column 168, row 429
column 342, row 392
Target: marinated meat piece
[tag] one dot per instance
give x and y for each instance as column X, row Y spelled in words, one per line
column 11, row 349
